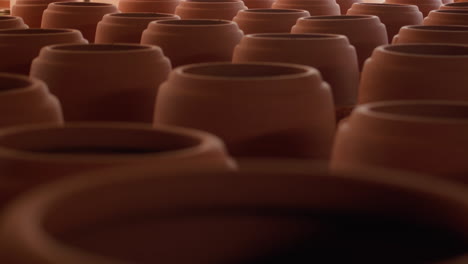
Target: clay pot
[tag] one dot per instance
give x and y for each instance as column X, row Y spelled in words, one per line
column 31, row 10
column 83, row 16
column 26, row 100
column 365, row 33
column 415, row 71
column 315, row 7
column 208, row 40
column 258, row 3
column 393, row 16
column 157, row 6
column 331, row 54
column 461, row 5
column 7, row 22
column 268, row 212
column 447, row 17
column 424, row 6
column 103, row 82
column 346, row 4
column 458, row 1
column 206, row 9
column 448, row 1
column 126, row 27
column 18, row 47
column 432, row 34
column 268, row 20
column 258, row 109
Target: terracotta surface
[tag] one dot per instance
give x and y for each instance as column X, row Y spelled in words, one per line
column 415, row 71
column 94, row 82
column 258, row 3
column 365, row 33
column 258, row 109
column 126, row 27
column 7, row 22
column 346, row 4
column 31, row 10
column 447, row 17
column 20, row 46
column 315, row 7
column 209, row 40
column 424, row 6
column 203, row 9
column 460, row 5
column 158, row 6
column 432, row 34
column 268, row 20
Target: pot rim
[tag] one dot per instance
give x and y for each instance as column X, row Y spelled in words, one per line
column 451, row 11
column 296, row 36
column 30, row 84
column 9, row 18
column 437, row 28
column 140, row 15
column 71, row 4
column 18, row 32
column 457, row 4
column 340, row 18
column 390, row 49
column 125, row 48
column 193, row 23
column 274, row 11
column 385, row 5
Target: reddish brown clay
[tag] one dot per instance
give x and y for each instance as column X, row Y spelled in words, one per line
column 83, row 16
column 126, row 27
column 157, row 6
column 209, row 40
column 209, row 9
column 31, row 10
column 392, row 15
column 258, row 3
column 8, row 22
column 315, row 7
column 447, row 17
column 103, row 82
column 346, row 4
column 415, row 71
column 424, row 6
column 252, row 21
column 20, row 46
column 432, row 34
column 460, row 5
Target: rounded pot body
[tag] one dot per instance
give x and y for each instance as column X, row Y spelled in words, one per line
column 200, row 9
column 10, row 22
column 447, row 17
column 31, row 10
column 432, row 34
column 156, row 6
column 425, row 6
column 315, row 7
column 271, row 20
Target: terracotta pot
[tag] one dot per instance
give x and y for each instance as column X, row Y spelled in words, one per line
column 83, row 16
column 447, row 17
column 331, row 54
column 268, row 212
column 458, row 1
column 268, row 20
column 94, row 82
column 157, row 6
column 126, row 27
column 424, row 136
column 461, row 5
column 415, row 71
column 7, row 22
column 209, row 40
column 432, row 34
column 18, row 47
column 315, row 7
column 346, row 4
column 448, row 1
column 253, row 107
column 31, row 10
column 365, row 33
column 424, row 6
column 393, row 16
column 258, row 3
column 206, row 9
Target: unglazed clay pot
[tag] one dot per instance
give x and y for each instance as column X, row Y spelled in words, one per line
column 83, row 16
column 126, row 27
column 157, row 6
column 258, row 109
column 365, row 33
column 432, row 34
column 331, row 54
column 346, row 4
column 447, row 17
column 415, row 71
column 25, row 100
column 315, row 7
column 268, row 20
column 424, row 136
column 18, row 47
column 461, row 5
column 425, row 6
column 193, row 41
column 103, row 82
column 7, row 22
column 31, row 10
column 268, row 212
column 392, row 15
column 209, row 9
column 258, row 3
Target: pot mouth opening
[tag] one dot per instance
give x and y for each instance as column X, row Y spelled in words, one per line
column 452, row 11
column 463, row 4
column 84, row 4
column 440, row 28
column 213, row 1
column 429, row 49
column 99, row 47
column 34, row 31
column 381, row 4
column 9, row 83
column 273, row 10
column 142, row 15
column 342, row 17
column 289, row 36
column 193, row 22
column 8, row 17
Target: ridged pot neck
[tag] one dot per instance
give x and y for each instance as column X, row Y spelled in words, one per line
column 132, row 18
column 287, row 40
column 378, row 8
column 343, row 20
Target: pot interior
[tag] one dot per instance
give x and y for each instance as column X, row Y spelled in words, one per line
column 272, row 10
column 33, row 31
column 142, row 15
column 428, row 49
column 459, row 4
column 99, row 47
column 343, row 17
column 194, row 22
column 440, row 28
column 8, row 83
column 243, row 70
column 296, row 36
column 82, row 4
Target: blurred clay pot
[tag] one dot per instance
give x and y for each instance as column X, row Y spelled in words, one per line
column 331, row 54
column 432, row 34
column 94, row 83
column 208, row 40
column 365, row 33
column 10, row 22
column 126, row 27
column 156, row 6
column 270, row 20
column 258, row 3
column 447, row 17
column 257, row 109
column 83, row 16
column 315, row 7
column 424, row 6
column 346, row 4
column 31, row 10
column 391, row 15
column 209, row 9
column 18, row 47
column 415, row 71
column 461, row 5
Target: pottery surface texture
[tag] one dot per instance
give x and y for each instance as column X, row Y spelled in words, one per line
column 315, row 7
column 83, row 16
column 31, row 10
column 209, row 40
column 365, row 33
column 346, row 4
column 258, row 3
column 257, row 109
column 415, row 71
column 103, row 82
column 126, row 27
column 461, row 5
column 432, row 34
column 391, row 15
column 157, row 6
column 10, row 22
column 447, row 17
column 271, row 20
column 18, row 47
column 226, row 10
column 425, row 6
